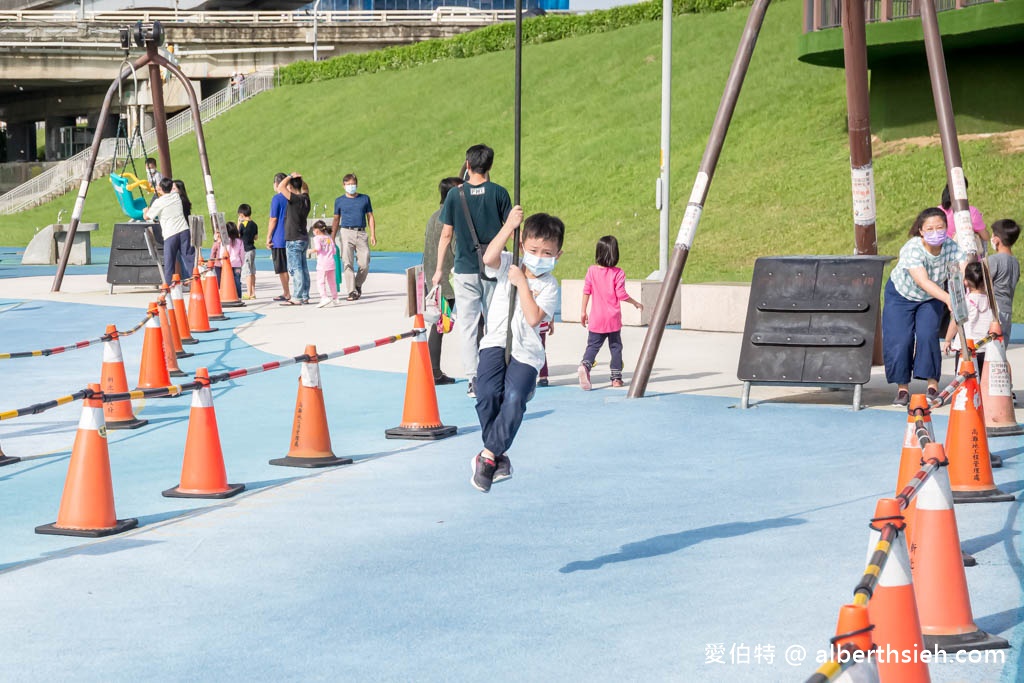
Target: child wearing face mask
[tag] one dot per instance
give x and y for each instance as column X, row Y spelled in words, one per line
column 502, row 390
column 1005, row 270
column 605, row 287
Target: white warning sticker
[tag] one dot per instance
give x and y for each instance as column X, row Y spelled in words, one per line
column 310, row 375
column 689, row 226
column 863, row 180
column 959, row 188
column 700, row 184
column 960, row 401
column 998, row 379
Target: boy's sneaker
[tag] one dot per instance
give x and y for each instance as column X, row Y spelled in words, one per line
column 502, row 468
column 902, row 398
column 483, row 472
column 471, row 391
column 617, row 384
column 324, row 303
column 584, row 374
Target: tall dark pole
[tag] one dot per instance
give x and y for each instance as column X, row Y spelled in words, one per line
column 947, row 130
column 156, row 90
column 517, row 107
column 688, row 228
column 858, row 106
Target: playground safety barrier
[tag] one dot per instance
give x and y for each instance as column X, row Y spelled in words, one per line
column 72, row 347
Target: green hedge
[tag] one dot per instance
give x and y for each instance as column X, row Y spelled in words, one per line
column 492, row 38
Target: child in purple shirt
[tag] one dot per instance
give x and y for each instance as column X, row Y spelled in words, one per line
column 606, row 285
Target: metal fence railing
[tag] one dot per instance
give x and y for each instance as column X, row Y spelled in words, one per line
column 61, row 178
column 440, row 14
column 824, row 14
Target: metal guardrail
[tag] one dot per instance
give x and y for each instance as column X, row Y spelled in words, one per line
column 441, row 14
column 825, row 14
column 61, row 178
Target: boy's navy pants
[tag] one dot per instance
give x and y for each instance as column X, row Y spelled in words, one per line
column 501, row 395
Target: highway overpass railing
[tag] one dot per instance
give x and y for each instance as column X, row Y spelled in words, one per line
column 59, row 179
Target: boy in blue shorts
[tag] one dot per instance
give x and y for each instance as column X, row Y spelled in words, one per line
column 503, row 390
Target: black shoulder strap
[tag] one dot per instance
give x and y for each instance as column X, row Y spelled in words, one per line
column 473, row 234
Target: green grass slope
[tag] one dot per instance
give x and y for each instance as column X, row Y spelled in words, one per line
column 590, row 148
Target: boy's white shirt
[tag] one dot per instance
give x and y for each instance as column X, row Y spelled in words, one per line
column 526, row 345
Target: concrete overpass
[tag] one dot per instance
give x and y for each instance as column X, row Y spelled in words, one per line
column 55, row 65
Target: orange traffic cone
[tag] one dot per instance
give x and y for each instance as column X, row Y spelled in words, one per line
column 113, row 380
column 167, row 328
column 198, row 319
column 893, row 608
column 910, row 456
column 997, row 392
column 153, row 371
column 202, row 471
column 171, row 328
column 311, row 438
column 180, row 316
column 228, row 293
column 87, row 506
column 970, row 467
column 420, row 416
column 853, row 635
column 7, row 459
column 943, row 602
column 211, row 294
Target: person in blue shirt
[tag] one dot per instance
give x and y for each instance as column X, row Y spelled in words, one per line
column 275, row 237
column 353, row 214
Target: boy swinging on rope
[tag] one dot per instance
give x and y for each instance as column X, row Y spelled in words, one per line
column 503, row 390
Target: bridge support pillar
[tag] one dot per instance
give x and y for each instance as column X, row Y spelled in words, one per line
column 21, row 141
column 53, row 137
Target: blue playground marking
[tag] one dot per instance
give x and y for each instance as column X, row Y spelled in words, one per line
column 633, row 535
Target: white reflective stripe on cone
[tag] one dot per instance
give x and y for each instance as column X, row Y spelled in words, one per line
column 154, row 321
column 935, row 493
column 910, row 439
column 896, row 571
column 176, row 292
column 112, row 352
column 92, row 419
column 310, row 375
column 861, row 672
column 202, row 398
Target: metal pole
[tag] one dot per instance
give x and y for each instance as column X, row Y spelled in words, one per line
column 688, row 227
column 947, row 130
column 197, row 123
column 97, row 138
column 517, row 108
column 855, row 55
column 664, row 205
column 316, row 8
column 156, row 89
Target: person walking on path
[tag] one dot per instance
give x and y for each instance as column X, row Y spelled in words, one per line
column 353, row 214
column 275, row 237
column 430, row 264
column 474, row 214
column 604, row 288
column 296, row 236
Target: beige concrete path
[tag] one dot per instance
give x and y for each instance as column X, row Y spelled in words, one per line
column 700, row 363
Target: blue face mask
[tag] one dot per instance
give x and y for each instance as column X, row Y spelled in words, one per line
column 539, row 265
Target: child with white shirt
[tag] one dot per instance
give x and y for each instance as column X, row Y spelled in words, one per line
column 979, row 317
column 502, row 390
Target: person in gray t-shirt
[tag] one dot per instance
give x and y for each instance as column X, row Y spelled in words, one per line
column 1005, row 271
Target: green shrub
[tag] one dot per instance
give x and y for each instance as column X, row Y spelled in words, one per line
column 493, row 38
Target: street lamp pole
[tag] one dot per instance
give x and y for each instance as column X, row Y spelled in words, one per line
column 316, row 9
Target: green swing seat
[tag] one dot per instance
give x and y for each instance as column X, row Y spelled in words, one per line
column 131, row 205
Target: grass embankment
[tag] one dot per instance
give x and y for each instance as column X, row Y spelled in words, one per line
column 590, row 148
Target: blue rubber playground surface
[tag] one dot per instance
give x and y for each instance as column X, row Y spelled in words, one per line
column 673, row 538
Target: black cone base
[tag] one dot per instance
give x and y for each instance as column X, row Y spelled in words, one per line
column 231, row 304
column 189, row 340
column 134, row 423
column 176, row 373
column 969, row 560
column 992, row 495
column 233, row 490
column 964, row 642
column 421, row 433
column 8, row 460
column 1009, row 430
column 289, row 461
column 995, row 460
column 54, row 530
column 183, row 354
column 216, row 317
column 212, row 329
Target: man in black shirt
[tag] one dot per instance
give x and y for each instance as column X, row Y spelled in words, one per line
column 296, row 238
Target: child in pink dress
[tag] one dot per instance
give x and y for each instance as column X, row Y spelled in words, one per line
column 606, row 285
column 235, row 252
column 323, row 246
